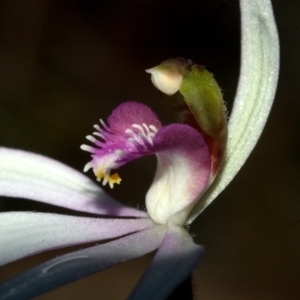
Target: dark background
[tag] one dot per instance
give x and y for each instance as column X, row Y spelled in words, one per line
column 64, row 64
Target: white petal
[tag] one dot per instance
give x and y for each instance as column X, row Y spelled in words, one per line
column 26, row 233
column 76, row 265
column 32, row 176
column 174, row 261
column 255, row 94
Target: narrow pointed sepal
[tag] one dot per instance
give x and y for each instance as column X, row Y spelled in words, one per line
column 36, row 177
column 26, row 233
column 176, row 258
column 255, row 94
column 79, row 264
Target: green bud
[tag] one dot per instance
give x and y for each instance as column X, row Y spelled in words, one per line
column 196, row 100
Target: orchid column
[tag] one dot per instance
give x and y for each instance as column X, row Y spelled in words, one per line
column 128, row 136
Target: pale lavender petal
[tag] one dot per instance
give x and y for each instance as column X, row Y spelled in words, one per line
column 76, row 265
column 175, row 260
column 32, row 176
column 25, row 233
column 182, row 173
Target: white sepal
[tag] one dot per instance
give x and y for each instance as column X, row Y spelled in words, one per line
column 255, row 93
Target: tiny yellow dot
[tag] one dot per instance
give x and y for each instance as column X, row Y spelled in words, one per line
column 115, row 178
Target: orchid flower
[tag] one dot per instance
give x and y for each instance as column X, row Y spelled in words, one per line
column 184, row 183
